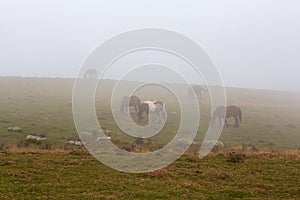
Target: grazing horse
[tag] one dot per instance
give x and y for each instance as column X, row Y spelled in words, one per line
column 152, row 107
column 91, row 74
column 229, row 111
column 130, row 101
column 198, row 91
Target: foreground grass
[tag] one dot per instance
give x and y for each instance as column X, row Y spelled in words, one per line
column 77, row 175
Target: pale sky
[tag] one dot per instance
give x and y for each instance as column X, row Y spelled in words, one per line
column 254, row 43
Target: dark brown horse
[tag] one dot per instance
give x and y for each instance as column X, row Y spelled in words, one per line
column 152, row 107
column 229, row 111
column 130, row 101
column 197, row 89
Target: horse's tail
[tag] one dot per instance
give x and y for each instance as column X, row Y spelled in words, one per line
column 240, row 115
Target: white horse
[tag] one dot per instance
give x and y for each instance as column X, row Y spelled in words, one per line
column 151, row 108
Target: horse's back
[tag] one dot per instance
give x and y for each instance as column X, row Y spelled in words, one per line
column 151, row 105
column 233, row 108
column 232, row 111
column 131, row 99
column 134, row 98
column 147, row 102
column 154, row 104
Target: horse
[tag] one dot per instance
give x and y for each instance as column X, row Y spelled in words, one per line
column 229, row 111
column 91, row 74
column 130, row 101
column 152, row 107
column 198, row 91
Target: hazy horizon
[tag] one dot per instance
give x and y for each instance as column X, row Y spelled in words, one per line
column 227, row 87
column 254, row 44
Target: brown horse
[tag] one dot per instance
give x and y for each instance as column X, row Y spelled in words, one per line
column 231, row 111
column 197, row 89
column 130, row 101
column 152, row 107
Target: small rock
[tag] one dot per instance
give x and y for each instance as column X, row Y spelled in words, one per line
column 77, row 143
column 33, row 137
column 103, row 138
column 15, row 129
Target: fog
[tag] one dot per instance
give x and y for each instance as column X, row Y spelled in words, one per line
column 254, row 43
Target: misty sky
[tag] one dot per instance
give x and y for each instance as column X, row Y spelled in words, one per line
column 254, row 43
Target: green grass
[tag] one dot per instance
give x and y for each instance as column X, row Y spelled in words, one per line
column 271, row 122
column 80, row 176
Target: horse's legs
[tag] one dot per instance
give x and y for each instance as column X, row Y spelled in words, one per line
column 236, row 122
column 140, row 115
column 135, row 109
column 149, row 118
column 226, row 122
column 161, row 116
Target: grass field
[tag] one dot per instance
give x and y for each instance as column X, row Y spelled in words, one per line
column 271, row 119
column 79, row 176
column 271, row 123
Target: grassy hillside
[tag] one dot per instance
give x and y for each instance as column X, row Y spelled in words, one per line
column 55, row 170
column 44, row 106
